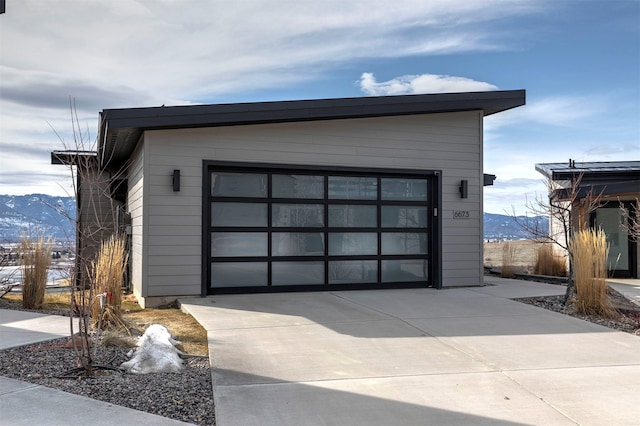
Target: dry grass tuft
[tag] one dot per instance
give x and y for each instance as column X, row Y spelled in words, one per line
column 549, row 263
column 590, row 249
column 36, row 260
column 508, row 269
column 108, row 275
column 182, row 326
column 111, row 339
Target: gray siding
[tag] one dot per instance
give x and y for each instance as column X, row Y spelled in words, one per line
column 136, row 209
column 450, row 142
column 96, row 217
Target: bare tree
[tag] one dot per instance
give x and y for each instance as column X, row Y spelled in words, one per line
column 98, row 216
column 568, row 209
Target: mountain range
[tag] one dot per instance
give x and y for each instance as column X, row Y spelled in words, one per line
column 505, row 227
column 35, row 215
column 53, row 216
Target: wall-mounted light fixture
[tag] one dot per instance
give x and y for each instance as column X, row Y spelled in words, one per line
column 464, row 188
column 176, row 180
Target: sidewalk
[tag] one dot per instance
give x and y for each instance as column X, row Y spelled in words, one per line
column 23, row 403
column 628, row 287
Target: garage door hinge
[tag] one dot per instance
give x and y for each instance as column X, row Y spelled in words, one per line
column 435, row 212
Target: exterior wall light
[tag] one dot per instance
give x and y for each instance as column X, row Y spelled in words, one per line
column 464, row 188
column 176, row 180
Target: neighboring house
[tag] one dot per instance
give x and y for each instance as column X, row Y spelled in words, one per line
column 617, row 186
column 332, row 194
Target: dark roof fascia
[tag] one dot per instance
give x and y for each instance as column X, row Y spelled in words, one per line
column 120, row 129
column 73, row 158
column 604, row 189
column 318, row 109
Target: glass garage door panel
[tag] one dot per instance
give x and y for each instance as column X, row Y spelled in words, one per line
column 238, row 214
column 239, row 274
column 298, row 186
column 297, row 273
column 404, row 189
column 297, row 244
column 353, row 243
column 227, row 184
column 238, row 244
column 353, row 272
column 353, row 216
column 297, row 215
column 406, row 270
column 353, row 188
column 404, row 217
column 404, row 243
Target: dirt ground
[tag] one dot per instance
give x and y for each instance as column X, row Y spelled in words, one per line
column 182, row 326
column 524, row 259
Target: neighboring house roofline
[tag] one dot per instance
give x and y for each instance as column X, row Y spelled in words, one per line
column 596, row 178
column 120, row 129
column 596, row 170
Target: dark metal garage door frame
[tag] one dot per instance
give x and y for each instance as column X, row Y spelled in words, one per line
column 433, row 255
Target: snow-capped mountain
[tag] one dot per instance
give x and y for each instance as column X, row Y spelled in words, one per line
column 36, row 214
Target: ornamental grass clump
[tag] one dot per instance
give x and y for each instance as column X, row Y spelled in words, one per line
column 107, row 273
column 589, row 249
column 508, row 270
column 36, row 260
column 549, row 263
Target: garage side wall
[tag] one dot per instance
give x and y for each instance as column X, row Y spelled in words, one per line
column 450, row 142
column 135, row 202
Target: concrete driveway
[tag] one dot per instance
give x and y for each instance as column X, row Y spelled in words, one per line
column 415, row 357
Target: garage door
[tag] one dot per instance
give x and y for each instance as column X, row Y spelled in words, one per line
column 272, row 228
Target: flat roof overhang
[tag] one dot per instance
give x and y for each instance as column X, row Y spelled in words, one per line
column 73, row 158
column 591, row 172
column 629, row 187
column 121, row 129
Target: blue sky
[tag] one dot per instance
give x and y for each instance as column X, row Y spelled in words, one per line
column 579, row 61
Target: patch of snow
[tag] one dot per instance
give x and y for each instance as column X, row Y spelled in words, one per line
column 156, row 353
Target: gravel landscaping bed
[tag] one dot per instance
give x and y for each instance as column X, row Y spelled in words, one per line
column 185, row 396
column 627, row 318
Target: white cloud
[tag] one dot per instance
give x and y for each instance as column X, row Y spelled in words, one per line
column 424, row 83
column 624, row 151
column 558, row 111
column 513, row 195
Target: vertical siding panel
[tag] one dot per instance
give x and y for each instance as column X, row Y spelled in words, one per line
column 135, row 201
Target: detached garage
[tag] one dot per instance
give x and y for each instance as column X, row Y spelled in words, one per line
column 357, row 193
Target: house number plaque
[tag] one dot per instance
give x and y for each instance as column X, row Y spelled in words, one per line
column 461, row 214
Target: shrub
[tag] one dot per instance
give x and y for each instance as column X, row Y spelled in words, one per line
column 549, row 263
column 107, row 273
column 508, row 269
column 590, row 249
column 36, row 259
